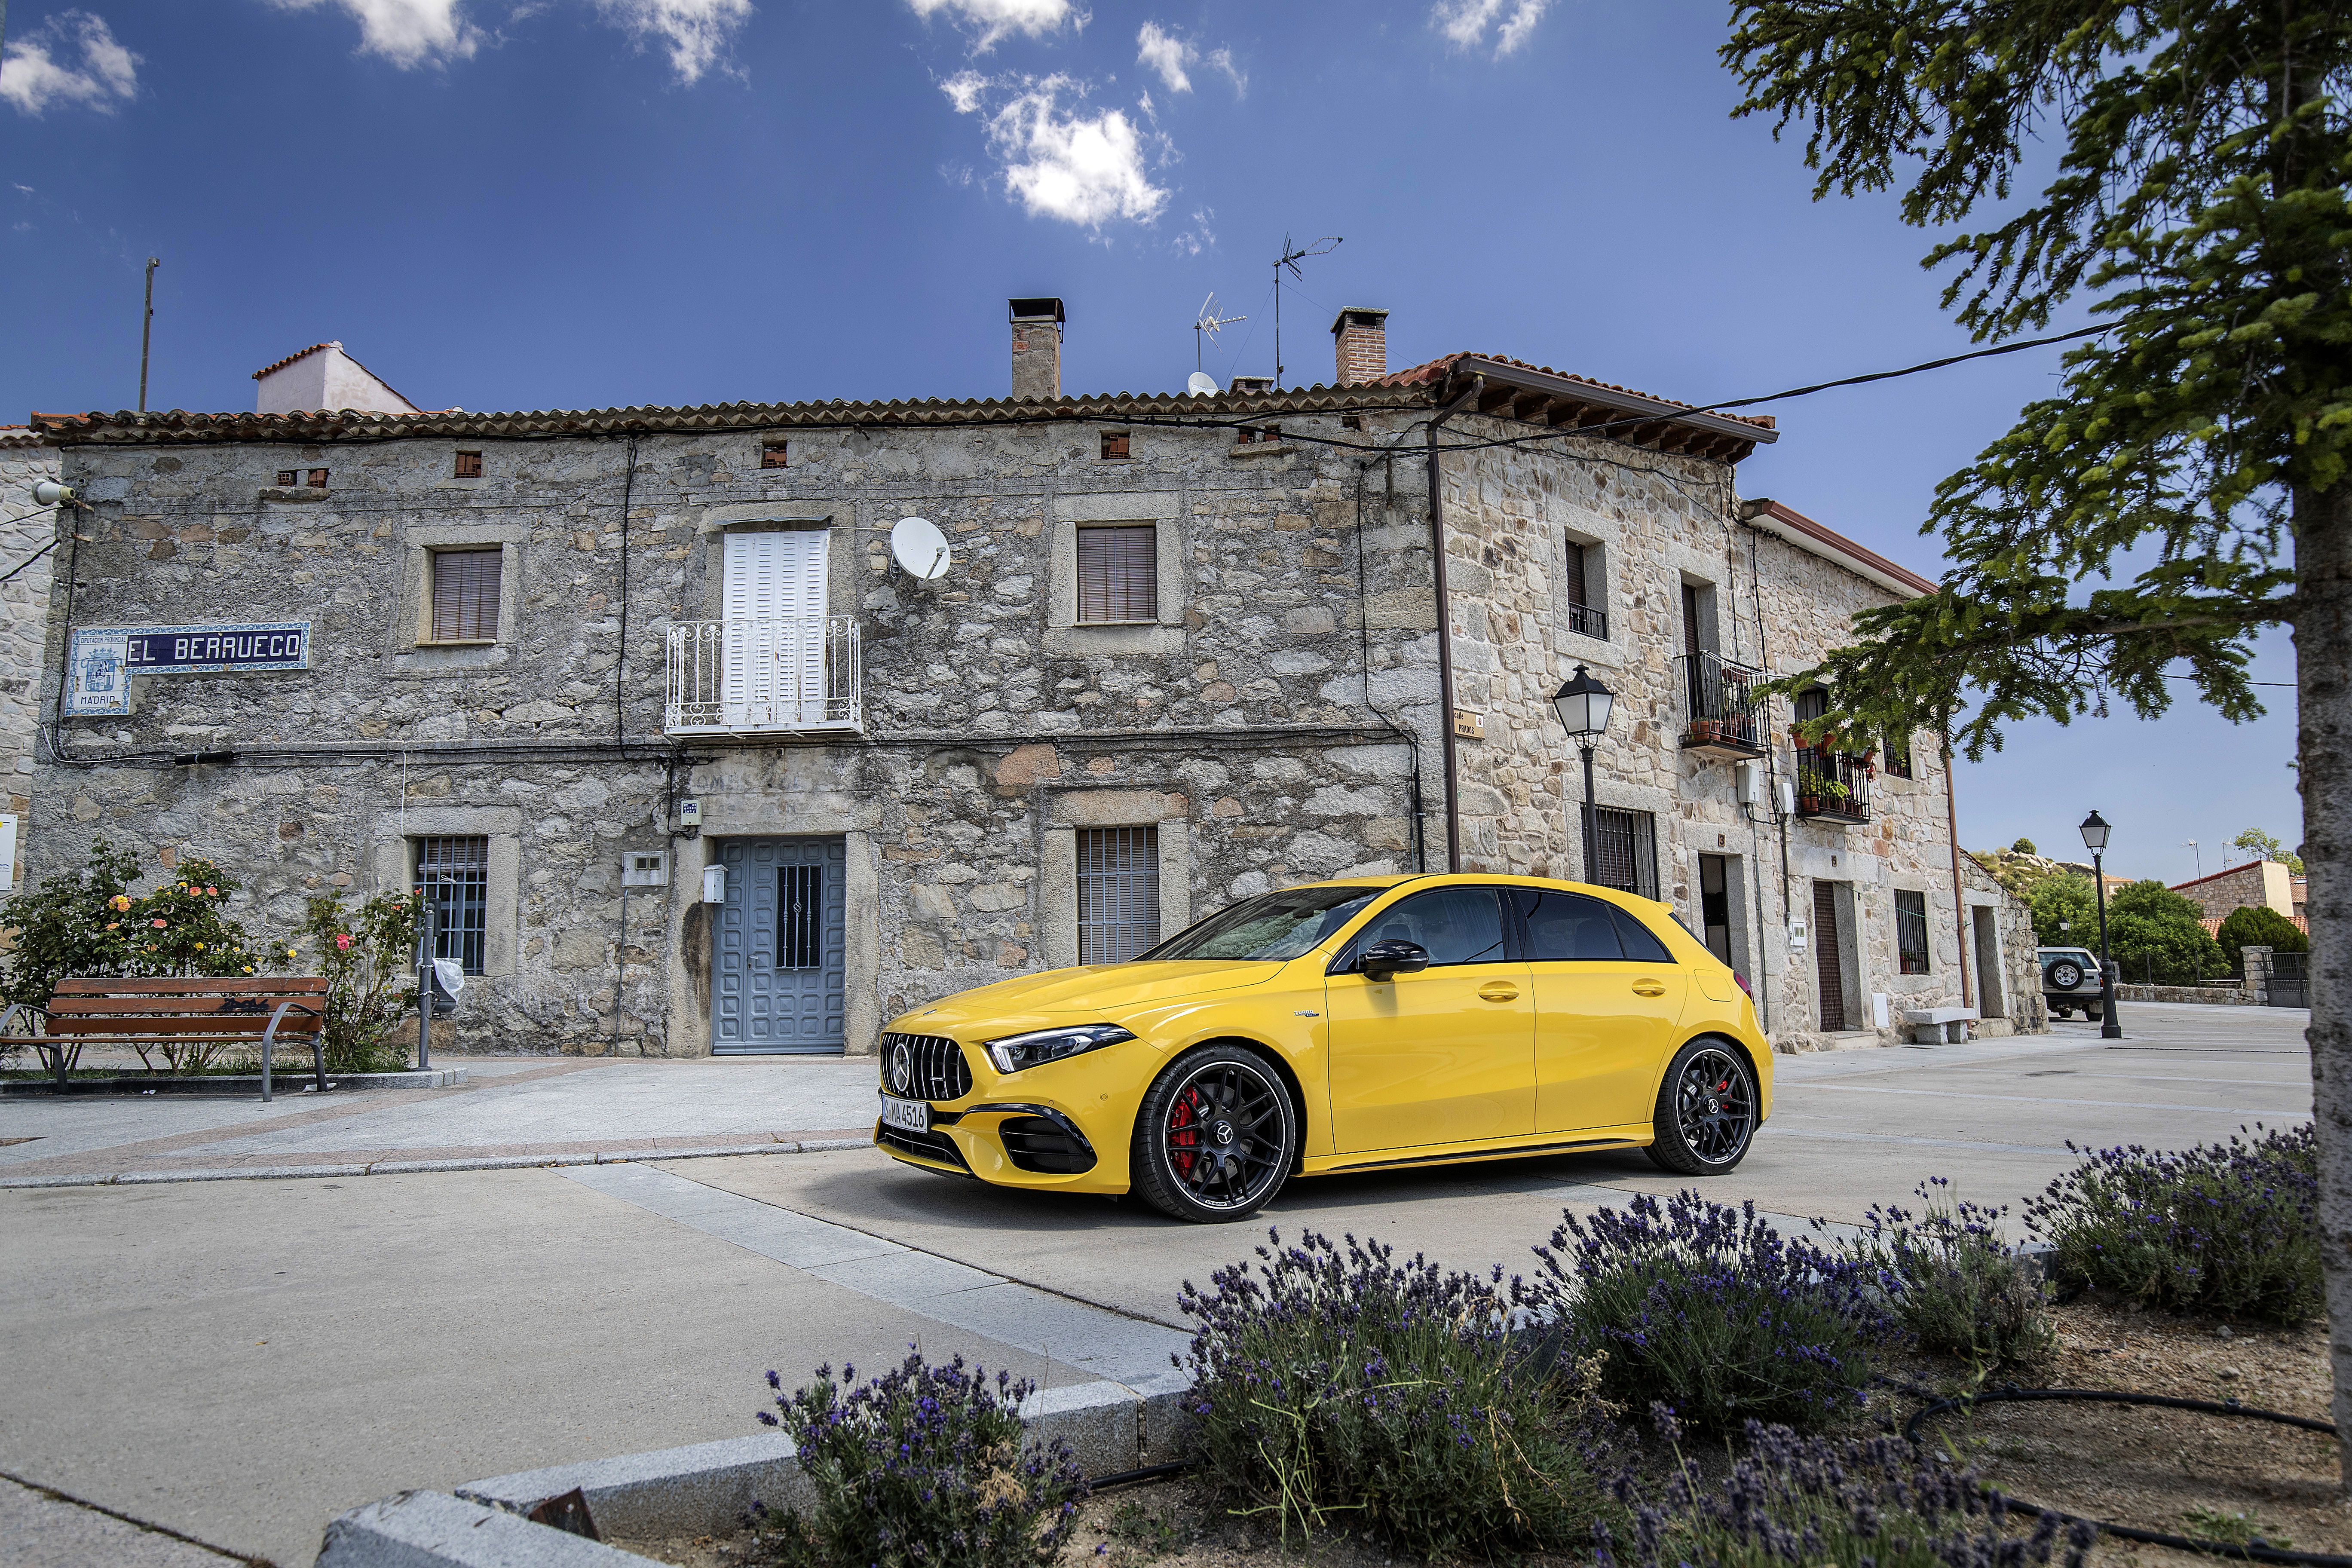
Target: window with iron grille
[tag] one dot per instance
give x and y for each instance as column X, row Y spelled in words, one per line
column 466, row 596
column 455, row 874
column 772, row 454
column 1911, row 930
column 1581, row 582
column 288, row 478
column 800, row 917
column 1119, row 574
column 1119, row 893
column 1898, row 754
column 1625, row 851
column 1114, row 443
column 470, row 466
column 318, row 479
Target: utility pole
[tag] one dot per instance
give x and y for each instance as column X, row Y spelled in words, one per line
column 146, row 325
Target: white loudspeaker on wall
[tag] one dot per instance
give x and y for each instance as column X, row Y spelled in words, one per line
column 1787, row 803
column 1747, row 782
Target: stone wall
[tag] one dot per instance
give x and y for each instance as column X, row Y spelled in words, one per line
column 2264, row 883
column 27, row 533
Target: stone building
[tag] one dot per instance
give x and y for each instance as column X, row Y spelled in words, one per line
column 701, row 747
column 27, row 538
column 2266, row 884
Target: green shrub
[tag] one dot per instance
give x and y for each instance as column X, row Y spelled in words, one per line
column 1960, row 1290
column 368, row 956
column 2158, row 936
column 1346, row 1388
column 2066, row 912
column 2228, row 1229
column 1711, row 1312
column 922, row 1468
column 2257, row 925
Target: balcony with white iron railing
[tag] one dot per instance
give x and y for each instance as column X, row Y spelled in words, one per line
column 785, row 676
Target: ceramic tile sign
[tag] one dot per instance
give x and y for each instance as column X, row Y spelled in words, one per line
column 103, row 659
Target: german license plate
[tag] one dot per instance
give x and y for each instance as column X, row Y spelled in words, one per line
column 907, row 1115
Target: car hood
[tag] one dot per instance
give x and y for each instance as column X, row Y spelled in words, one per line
column 1099, row 989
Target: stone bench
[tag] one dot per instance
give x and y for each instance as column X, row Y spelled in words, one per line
column 1945, row 1026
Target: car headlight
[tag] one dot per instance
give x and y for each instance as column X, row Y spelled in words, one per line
column 1014, row 1052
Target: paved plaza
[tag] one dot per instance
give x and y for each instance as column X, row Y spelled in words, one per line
column 586, row 1273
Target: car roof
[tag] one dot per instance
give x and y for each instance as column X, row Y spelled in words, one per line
column 1479, row 878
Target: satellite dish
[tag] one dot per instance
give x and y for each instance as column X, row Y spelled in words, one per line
column 1201, row 385
column 920, row 548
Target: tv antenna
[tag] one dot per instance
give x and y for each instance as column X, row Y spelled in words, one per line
column 1209, row 322
column 1291, row 257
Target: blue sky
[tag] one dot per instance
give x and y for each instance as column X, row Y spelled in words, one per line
column 531, row 204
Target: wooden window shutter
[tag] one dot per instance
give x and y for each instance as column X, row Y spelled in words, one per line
column 1119, row 574
column 1574, row 581
column 470, row 466
column 466, row 596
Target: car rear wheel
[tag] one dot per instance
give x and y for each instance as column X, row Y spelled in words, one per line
column 1216, row 1136
column 1706, row 1111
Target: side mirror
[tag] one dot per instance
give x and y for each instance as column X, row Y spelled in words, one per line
column 1387, row 960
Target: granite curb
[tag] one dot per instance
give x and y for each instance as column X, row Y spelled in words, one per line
column 702, row 1489
column 417, row 1167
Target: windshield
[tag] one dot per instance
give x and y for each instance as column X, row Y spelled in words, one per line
column 1271, row 926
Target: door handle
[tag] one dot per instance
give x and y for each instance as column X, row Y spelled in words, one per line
column 1499, row 991
column 1649, row 988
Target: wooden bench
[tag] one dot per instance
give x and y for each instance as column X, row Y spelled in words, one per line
column 145, row 1013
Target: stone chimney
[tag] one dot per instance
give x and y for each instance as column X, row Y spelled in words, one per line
column 1036, row 347
column 1359, row 339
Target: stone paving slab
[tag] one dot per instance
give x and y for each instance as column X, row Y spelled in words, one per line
column 42, row 1529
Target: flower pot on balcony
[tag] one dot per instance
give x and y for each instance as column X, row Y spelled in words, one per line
column 1704, row 731
column 1808, row 804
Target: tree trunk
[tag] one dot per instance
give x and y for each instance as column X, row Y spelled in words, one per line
column 2322, row 646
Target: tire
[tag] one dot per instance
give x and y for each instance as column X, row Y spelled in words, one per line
column 1215, row 1137
column 1705, row 1118
column 2064, row 974
column 2097, row 1015
column 2058, row 1012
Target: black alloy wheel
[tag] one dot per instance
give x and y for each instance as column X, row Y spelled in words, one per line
column 1215, row 1137
column 1706, row 1111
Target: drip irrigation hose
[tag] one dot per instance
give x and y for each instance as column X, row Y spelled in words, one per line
column 1133, row 1477
column 2252, row 1552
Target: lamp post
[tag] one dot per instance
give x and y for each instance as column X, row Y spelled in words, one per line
column 2094, row 839
column 1583, row 704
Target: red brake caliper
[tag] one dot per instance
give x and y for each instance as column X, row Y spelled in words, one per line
column 1183, row 1136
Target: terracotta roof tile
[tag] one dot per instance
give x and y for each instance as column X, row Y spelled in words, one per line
column 1437, row 370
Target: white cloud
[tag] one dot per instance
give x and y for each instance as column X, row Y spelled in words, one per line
column 1083, row 169
column 1465, row 22
column 994, row 20
column 1223, row 59
column 1167, row 54
column 408, row 32
column 696, row 31
column 1198, row 238
column 964, row 89
column 38, row 71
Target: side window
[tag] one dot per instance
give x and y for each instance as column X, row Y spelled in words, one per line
column 1568, row 927
column 1456, row 925
column 1641, row 943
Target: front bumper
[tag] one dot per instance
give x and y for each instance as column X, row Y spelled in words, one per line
column 1015, row 1143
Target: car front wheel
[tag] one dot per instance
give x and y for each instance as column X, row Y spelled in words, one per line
column 1216, row 1136
column 1706, row 1111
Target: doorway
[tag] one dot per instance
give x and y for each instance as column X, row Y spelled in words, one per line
column 1715, row 906
column 777, row 967
column 1828, row 959
column 1990, row 1003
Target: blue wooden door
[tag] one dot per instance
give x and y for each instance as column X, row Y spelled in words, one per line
column 776, row 967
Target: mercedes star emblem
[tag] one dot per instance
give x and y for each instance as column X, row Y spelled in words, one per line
column 902, row 1067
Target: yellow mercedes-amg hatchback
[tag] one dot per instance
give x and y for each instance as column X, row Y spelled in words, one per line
column 1351, row 1025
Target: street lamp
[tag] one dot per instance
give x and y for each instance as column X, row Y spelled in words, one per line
column 2094, row 839
column 1583, row 704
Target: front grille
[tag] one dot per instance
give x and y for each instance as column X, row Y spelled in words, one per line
column 1046, row 1147
column 937, row 1071
column 934, row 1146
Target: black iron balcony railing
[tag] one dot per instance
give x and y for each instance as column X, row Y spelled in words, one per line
column 1721, row 714
column 1589, row 621
column 1832, row 786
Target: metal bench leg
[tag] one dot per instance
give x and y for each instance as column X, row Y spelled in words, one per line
column 269, row 1038
column 318, row 1057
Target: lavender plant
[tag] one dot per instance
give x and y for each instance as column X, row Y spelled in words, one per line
column 2229, row 1229
column 1960, row 1290
column 1792, row 1501
column 1339, row 1386
column 1713, row 1313
column 921, row 1467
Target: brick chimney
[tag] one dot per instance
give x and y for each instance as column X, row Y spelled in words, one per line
column 1360, row 340
column 1036, row 347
